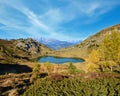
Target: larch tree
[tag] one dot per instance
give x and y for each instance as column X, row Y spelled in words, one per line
column 94, row 56
column 108, row 54
column 110, row 50
column 93, row 60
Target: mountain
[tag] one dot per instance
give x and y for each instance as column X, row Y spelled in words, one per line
column 56, row 44
column 21, row 49
column 82, row 49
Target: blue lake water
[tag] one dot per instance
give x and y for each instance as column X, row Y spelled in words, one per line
column 59, row 60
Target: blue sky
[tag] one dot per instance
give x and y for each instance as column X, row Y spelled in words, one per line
column 58, row 19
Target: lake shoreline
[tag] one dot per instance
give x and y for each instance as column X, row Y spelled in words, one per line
column 60, row 60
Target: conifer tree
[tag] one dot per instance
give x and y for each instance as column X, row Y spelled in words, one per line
column 94, row 56
column 110, row 50
column 49, row 67
column 71, row 68
column 35, row 72
column 92, row 60
column 108, row 54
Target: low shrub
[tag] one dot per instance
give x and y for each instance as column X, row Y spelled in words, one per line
column 75, row 87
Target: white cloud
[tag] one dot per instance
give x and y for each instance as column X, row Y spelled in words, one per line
column 34, row 19
column 50, row 21
column 52, row 17
column 88, row 8
column 37, row 27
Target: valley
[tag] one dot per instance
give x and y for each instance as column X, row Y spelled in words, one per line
column 59, row 47
column 19, row 62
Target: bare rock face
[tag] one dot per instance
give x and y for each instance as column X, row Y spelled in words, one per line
column 30, row 45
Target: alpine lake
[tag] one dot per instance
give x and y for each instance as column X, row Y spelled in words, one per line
column 58, row 60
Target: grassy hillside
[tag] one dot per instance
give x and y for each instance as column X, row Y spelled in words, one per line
column 84, row 48
column 21, row 49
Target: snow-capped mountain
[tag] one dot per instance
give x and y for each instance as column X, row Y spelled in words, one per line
column 56, row 44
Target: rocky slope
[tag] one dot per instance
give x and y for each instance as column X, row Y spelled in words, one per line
column 21, row 49
column 84, row 48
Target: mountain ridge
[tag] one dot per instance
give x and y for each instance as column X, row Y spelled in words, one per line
column 25, row 49
column 56, row 44
column 82, row 49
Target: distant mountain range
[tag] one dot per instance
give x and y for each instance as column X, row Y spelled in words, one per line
column 57, row 44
